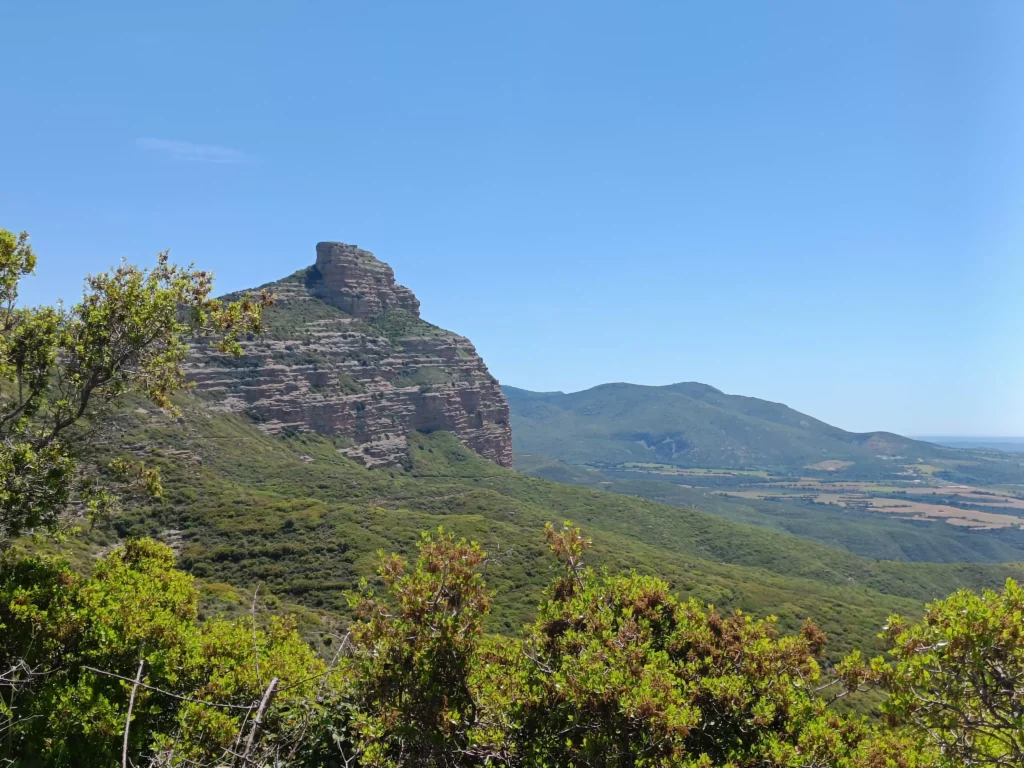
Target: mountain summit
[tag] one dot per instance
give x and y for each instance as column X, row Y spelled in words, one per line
column 358, row 283
column 347, row 355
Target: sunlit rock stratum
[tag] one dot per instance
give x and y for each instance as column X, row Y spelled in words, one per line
column 346, row 354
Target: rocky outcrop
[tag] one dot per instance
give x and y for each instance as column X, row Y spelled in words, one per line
column 347, row 355
column 355, row 282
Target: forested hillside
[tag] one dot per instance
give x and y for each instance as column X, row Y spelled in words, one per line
column 695, row 425
column 877, row 495
column 242, row 507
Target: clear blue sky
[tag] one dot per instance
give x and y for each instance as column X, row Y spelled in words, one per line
column 815, row 203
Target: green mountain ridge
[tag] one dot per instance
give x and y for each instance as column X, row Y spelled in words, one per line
column 746, row 460
column 695, row 425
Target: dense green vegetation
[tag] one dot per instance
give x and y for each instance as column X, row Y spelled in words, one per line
column 244, row 507
column 61, row 367
column 70, row 647
column 614, row 671
column 959, row 676
column 694, row 425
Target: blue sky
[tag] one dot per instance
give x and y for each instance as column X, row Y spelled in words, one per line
column 814, row 203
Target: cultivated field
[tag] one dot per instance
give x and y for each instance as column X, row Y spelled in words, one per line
column 959, row 505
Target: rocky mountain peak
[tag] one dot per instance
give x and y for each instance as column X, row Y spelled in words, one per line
column 356, row 282
column 346, row 354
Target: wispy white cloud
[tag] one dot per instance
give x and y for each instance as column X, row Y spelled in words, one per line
column 186, row 150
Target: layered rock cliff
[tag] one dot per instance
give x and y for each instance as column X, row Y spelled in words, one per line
column 346, row 354
column 355, row 282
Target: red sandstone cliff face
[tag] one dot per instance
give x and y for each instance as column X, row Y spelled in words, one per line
column 346, row 354
column 355, row 282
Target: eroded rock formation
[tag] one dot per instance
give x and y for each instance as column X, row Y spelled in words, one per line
column 354, row 281
column 346, row 354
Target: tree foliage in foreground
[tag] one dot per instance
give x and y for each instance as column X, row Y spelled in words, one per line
column 61, row 367
column 72, row 646
column 614, row 672
column 957, row 676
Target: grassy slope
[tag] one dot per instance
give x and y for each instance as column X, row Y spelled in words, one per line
column 296, row 515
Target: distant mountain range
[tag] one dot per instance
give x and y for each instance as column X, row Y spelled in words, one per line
column 695, row 425
column 1009, row 444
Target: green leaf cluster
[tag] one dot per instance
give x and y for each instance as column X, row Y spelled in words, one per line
column 72, row 646
column 615, row 671
column 60, row 368
column 958, row 676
